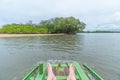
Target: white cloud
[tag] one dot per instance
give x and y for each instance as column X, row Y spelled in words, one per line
column 109, row 21
column 92, row 12
column 116, row 15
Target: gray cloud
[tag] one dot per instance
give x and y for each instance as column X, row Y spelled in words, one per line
column 92, row 12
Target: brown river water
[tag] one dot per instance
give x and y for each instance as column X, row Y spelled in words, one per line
column 101, row 51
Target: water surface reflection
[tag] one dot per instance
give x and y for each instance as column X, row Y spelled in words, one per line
column 100, row 51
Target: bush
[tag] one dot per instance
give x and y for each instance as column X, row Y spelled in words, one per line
column 68, row 25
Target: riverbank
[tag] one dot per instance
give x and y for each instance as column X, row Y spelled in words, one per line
column 25, row 35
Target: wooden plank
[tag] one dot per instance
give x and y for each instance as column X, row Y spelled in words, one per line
column 93, row 73
column 30, row 73
column 39, row 75
column 32, row 78
column 80, row 72
column 61, row 77
column 58, row 65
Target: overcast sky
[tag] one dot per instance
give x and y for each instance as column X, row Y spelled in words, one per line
column 92, row 12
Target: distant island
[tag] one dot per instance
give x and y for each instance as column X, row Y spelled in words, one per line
column 58, row 25
column 100, row 31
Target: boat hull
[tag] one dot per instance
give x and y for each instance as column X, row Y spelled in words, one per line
column 61, row 71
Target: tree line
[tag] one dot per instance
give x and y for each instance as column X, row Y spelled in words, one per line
column 68, row 25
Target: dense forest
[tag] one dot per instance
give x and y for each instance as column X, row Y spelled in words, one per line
column 68, row 25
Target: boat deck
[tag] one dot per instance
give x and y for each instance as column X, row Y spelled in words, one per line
column 61, row 71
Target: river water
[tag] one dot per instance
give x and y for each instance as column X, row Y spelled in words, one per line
column 101, row 51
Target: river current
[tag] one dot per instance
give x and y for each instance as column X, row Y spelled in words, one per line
column 101, row 51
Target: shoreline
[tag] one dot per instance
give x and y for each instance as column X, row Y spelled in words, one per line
column 26, row 35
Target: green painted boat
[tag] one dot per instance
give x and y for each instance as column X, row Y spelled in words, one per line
column 82, row 71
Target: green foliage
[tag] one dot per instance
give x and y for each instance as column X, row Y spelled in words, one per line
column 68, row 25
column 22, row 29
